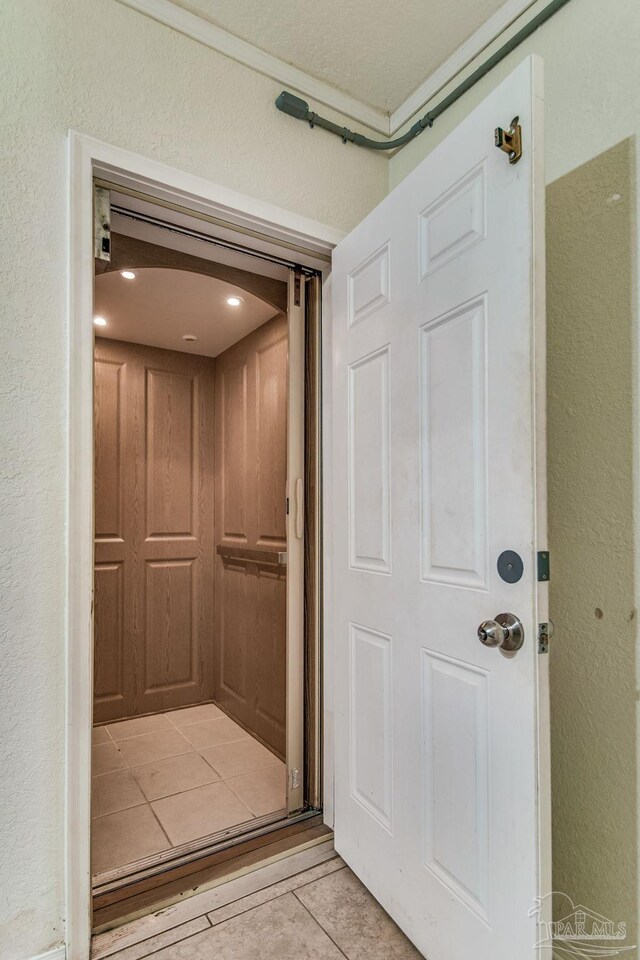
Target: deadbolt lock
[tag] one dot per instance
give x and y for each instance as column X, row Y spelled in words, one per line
column 510, row 140
column 506, row 632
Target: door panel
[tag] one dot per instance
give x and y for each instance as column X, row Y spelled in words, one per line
column 270, row 648
column 171, row 622
column 369, row 463
column 456, row 824
column 271, row 437
column 438, row 467
column 251, row 440
column 371, row 722
column 113, row 698
column 452, row 405
column 108, row 466
column 154, row 519
column 108, row 667
column 232, row 679
column 233, row 429
column 171, row 445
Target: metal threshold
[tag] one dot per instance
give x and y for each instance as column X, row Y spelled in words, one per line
column 193, row 851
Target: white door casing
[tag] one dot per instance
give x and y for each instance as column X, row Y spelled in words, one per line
column 441, row 753
column 273, row 226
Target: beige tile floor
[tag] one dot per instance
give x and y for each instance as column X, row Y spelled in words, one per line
column 320, row 913
column 161, row 781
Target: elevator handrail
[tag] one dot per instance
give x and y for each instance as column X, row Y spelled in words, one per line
column 274, row 558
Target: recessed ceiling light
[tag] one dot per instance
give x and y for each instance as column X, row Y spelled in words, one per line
column 128, row 274
column 100, row 321
column 189, row 337
column 234, row 301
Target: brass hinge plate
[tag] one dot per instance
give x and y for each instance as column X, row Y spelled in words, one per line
column 510, row 140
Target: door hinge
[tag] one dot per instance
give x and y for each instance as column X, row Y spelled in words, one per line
column 545, row 632
column 510, row 140
column 101, row 224
column 544, row 566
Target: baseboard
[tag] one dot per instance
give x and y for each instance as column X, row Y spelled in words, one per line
column 58, row 953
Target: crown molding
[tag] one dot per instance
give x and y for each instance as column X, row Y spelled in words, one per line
column 462, row 57
column 246, row 53
column 198, row 28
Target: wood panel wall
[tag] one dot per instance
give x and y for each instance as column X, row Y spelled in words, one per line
column 191, row 452
column 154, row 529
column 251, row 457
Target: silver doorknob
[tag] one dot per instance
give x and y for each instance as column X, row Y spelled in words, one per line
column 506, row 632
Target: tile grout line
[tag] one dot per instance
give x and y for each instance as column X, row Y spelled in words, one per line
column 167, row 716
column 131, row 768
column 221, row 779
column 143, row 939
column 150, row 803
column 153, row 936
column 171, row 843
column 190, row 723
column 192, row 749
column 315, row 919
column 253, row 816
column 185, row 738
column 198, row 787
column 244, row 802
column 122, row 810
column 173, row 726
column 176, row 943
column 245, row 772
column 247, row 736
column 211, row 745
column 301, row 886
column 238, row 900
column 241, row 913
column 178, row 793
column 184, row 792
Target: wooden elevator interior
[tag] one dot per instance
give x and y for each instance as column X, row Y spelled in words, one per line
column 190, row 465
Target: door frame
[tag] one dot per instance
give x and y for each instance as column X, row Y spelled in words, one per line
column 275, row 227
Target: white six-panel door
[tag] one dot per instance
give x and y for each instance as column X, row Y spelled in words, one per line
column 441, row 786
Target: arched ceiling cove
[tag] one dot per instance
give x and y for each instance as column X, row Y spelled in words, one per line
column 161, row 305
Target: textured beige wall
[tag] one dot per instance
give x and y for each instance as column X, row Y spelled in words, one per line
column 591, row 52
column 592, row 85
column 106, row 70
column 591, row 393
